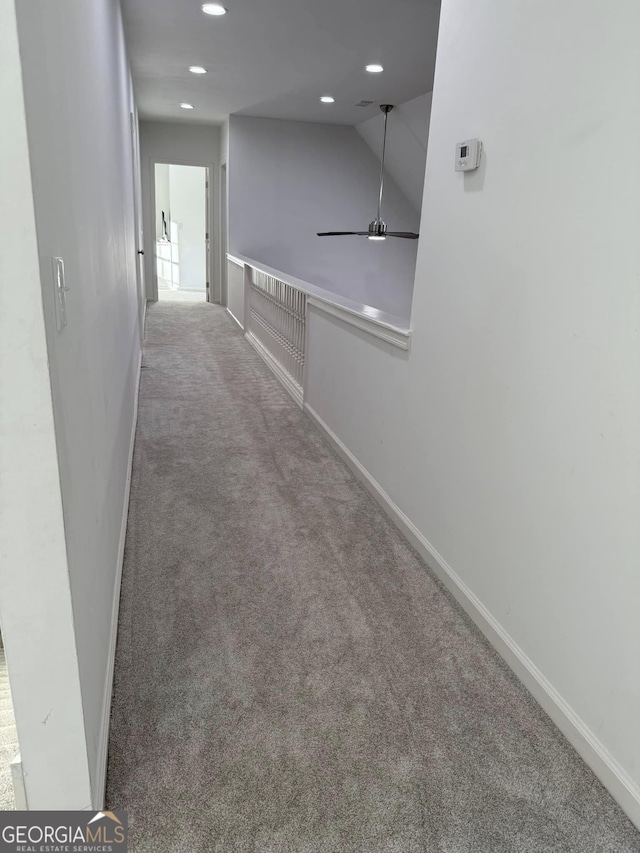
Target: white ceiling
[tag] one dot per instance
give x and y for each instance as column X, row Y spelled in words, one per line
column 276, row 57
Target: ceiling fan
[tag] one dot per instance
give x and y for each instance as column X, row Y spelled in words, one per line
column 377, row 228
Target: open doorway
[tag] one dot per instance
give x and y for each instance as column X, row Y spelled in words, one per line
column 182, row 232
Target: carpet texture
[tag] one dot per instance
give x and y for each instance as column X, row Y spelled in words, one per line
column 290, row 678
column 9, row 748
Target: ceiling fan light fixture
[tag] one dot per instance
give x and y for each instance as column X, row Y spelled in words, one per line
column 377, row 229
column 214, row 9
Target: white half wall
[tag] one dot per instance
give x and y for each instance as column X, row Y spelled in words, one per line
column 509, row 435
column 407, row 137
column 183, row 144
column 235, row 291
column 79, row 101
column 290, row 179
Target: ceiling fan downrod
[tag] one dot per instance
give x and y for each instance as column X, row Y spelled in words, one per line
column 378, row 228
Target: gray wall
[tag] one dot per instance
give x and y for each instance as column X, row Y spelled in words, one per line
column 289, row 180
column 80, row 148
column 191, row 144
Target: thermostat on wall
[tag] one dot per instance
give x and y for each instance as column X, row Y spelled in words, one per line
column 468, row 155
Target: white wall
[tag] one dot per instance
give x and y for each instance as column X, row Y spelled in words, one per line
column 235, row 291
column 81, row 163
column 35, row 604
column 190, row 144
column 288, row 180
column 188, row 210
column 407, row 137
column 163, row 198
column 224, row 141
column 509, row 435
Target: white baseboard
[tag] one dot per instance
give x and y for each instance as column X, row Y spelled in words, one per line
column 614, row 778
column 103, row 745
column 19, row 790
column 233, row 317
column 293, row 389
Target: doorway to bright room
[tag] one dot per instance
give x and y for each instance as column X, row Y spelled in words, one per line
column 182, row 232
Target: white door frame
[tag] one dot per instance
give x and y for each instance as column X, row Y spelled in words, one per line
column 224, row 231
column 213, row 276
column 138, row 220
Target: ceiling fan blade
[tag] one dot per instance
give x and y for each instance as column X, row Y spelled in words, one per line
column 343, row 233
column 408, row 235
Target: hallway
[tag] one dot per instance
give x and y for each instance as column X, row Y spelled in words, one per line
column 289, row 676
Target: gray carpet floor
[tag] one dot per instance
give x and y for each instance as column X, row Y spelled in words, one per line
column 9, row 748
column 290, row 678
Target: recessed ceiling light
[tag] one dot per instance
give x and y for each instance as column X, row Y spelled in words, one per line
column 197, row 69
column 327, row 99
column 187, row 106
column 374, row 69
column 214, row 9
